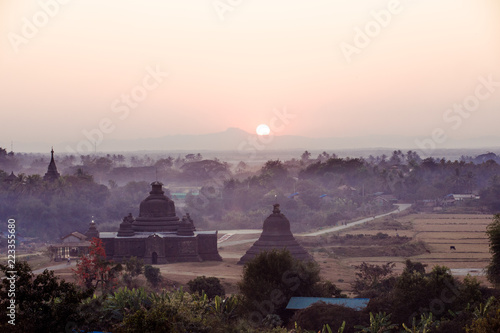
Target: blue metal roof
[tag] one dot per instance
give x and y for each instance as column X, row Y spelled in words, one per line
column 297, row 303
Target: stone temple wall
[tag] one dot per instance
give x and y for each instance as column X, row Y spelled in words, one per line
column 208, row 247
column 167, row 249
column 158, row 236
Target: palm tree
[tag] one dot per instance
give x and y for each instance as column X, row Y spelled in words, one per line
column 469, row 181
column 18, row 186
column 33, row 184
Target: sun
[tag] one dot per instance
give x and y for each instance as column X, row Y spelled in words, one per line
column 263, row 129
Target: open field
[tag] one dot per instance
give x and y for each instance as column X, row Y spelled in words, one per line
column 437, row 232
column 419, row 237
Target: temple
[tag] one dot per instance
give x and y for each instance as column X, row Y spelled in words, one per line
column 157, row 235
column 52, row 174
column 276, row 234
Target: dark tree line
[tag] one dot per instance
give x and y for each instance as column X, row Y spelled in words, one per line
column 313, row 192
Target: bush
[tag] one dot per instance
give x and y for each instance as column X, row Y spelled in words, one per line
column 162, row 318
column 210, row 285
column 271, row 279
column 493, row 269
column 490, row 323
column 380, row 235
column 44, row 302
column 134, row 266
column 153, row 275
column 416, row 292
column 320, row 313
column 373, row 280
column 326, row 289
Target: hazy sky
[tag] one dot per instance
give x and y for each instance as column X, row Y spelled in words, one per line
column 68, row 67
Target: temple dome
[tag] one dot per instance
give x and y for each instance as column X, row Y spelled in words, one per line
column 276, row 234
column 157, row 204
column 276, row 225
column 156, row 212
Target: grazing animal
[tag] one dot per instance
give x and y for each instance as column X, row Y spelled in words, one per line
column 452, row 248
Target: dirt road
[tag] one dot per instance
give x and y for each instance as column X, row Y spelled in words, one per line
column 224, row 241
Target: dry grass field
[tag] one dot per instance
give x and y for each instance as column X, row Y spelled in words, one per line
column 419, row 237
column 436, row 232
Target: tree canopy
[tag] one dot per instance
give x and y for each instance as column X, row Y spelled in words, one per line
column 493, row 269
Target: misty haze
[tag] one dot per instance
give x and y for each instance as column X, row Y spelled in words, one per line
column 240, row 166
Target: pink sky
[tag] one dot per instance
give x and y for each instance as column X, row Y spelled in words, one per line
column 234, row 72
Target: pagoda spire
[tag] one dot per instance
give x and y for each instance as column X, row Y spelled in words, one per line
column 52, row 173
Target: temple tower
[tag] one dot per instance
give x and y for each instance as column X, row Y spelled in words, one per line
column 126, row 227
column 92, row 232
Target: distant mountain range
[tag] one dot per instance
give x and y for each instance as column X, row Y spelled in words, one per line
column 234, row 139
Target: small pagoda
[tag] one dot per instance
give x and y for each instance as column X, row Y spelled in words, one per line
column 276, row 234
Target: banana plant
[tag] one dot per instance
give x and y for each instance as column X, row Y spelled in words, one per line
column 224, row 309
column 126, row 300
column 160, row 298
column 379, row 323
column 482, row 310
column 327, row 329
column 425, row 324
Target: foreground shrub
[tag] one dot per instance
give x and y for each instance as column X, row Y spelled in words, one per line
column 163, row 317
column 153, row 275
column 43, row 302
column 271, row 279
column 211, row 286
column 319, row 314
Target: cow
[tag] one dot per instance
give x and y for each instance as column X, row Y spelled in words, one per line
column 452, row 247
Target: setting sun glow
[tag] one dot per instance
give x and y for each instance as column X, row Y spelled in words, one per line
column 263, row 129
